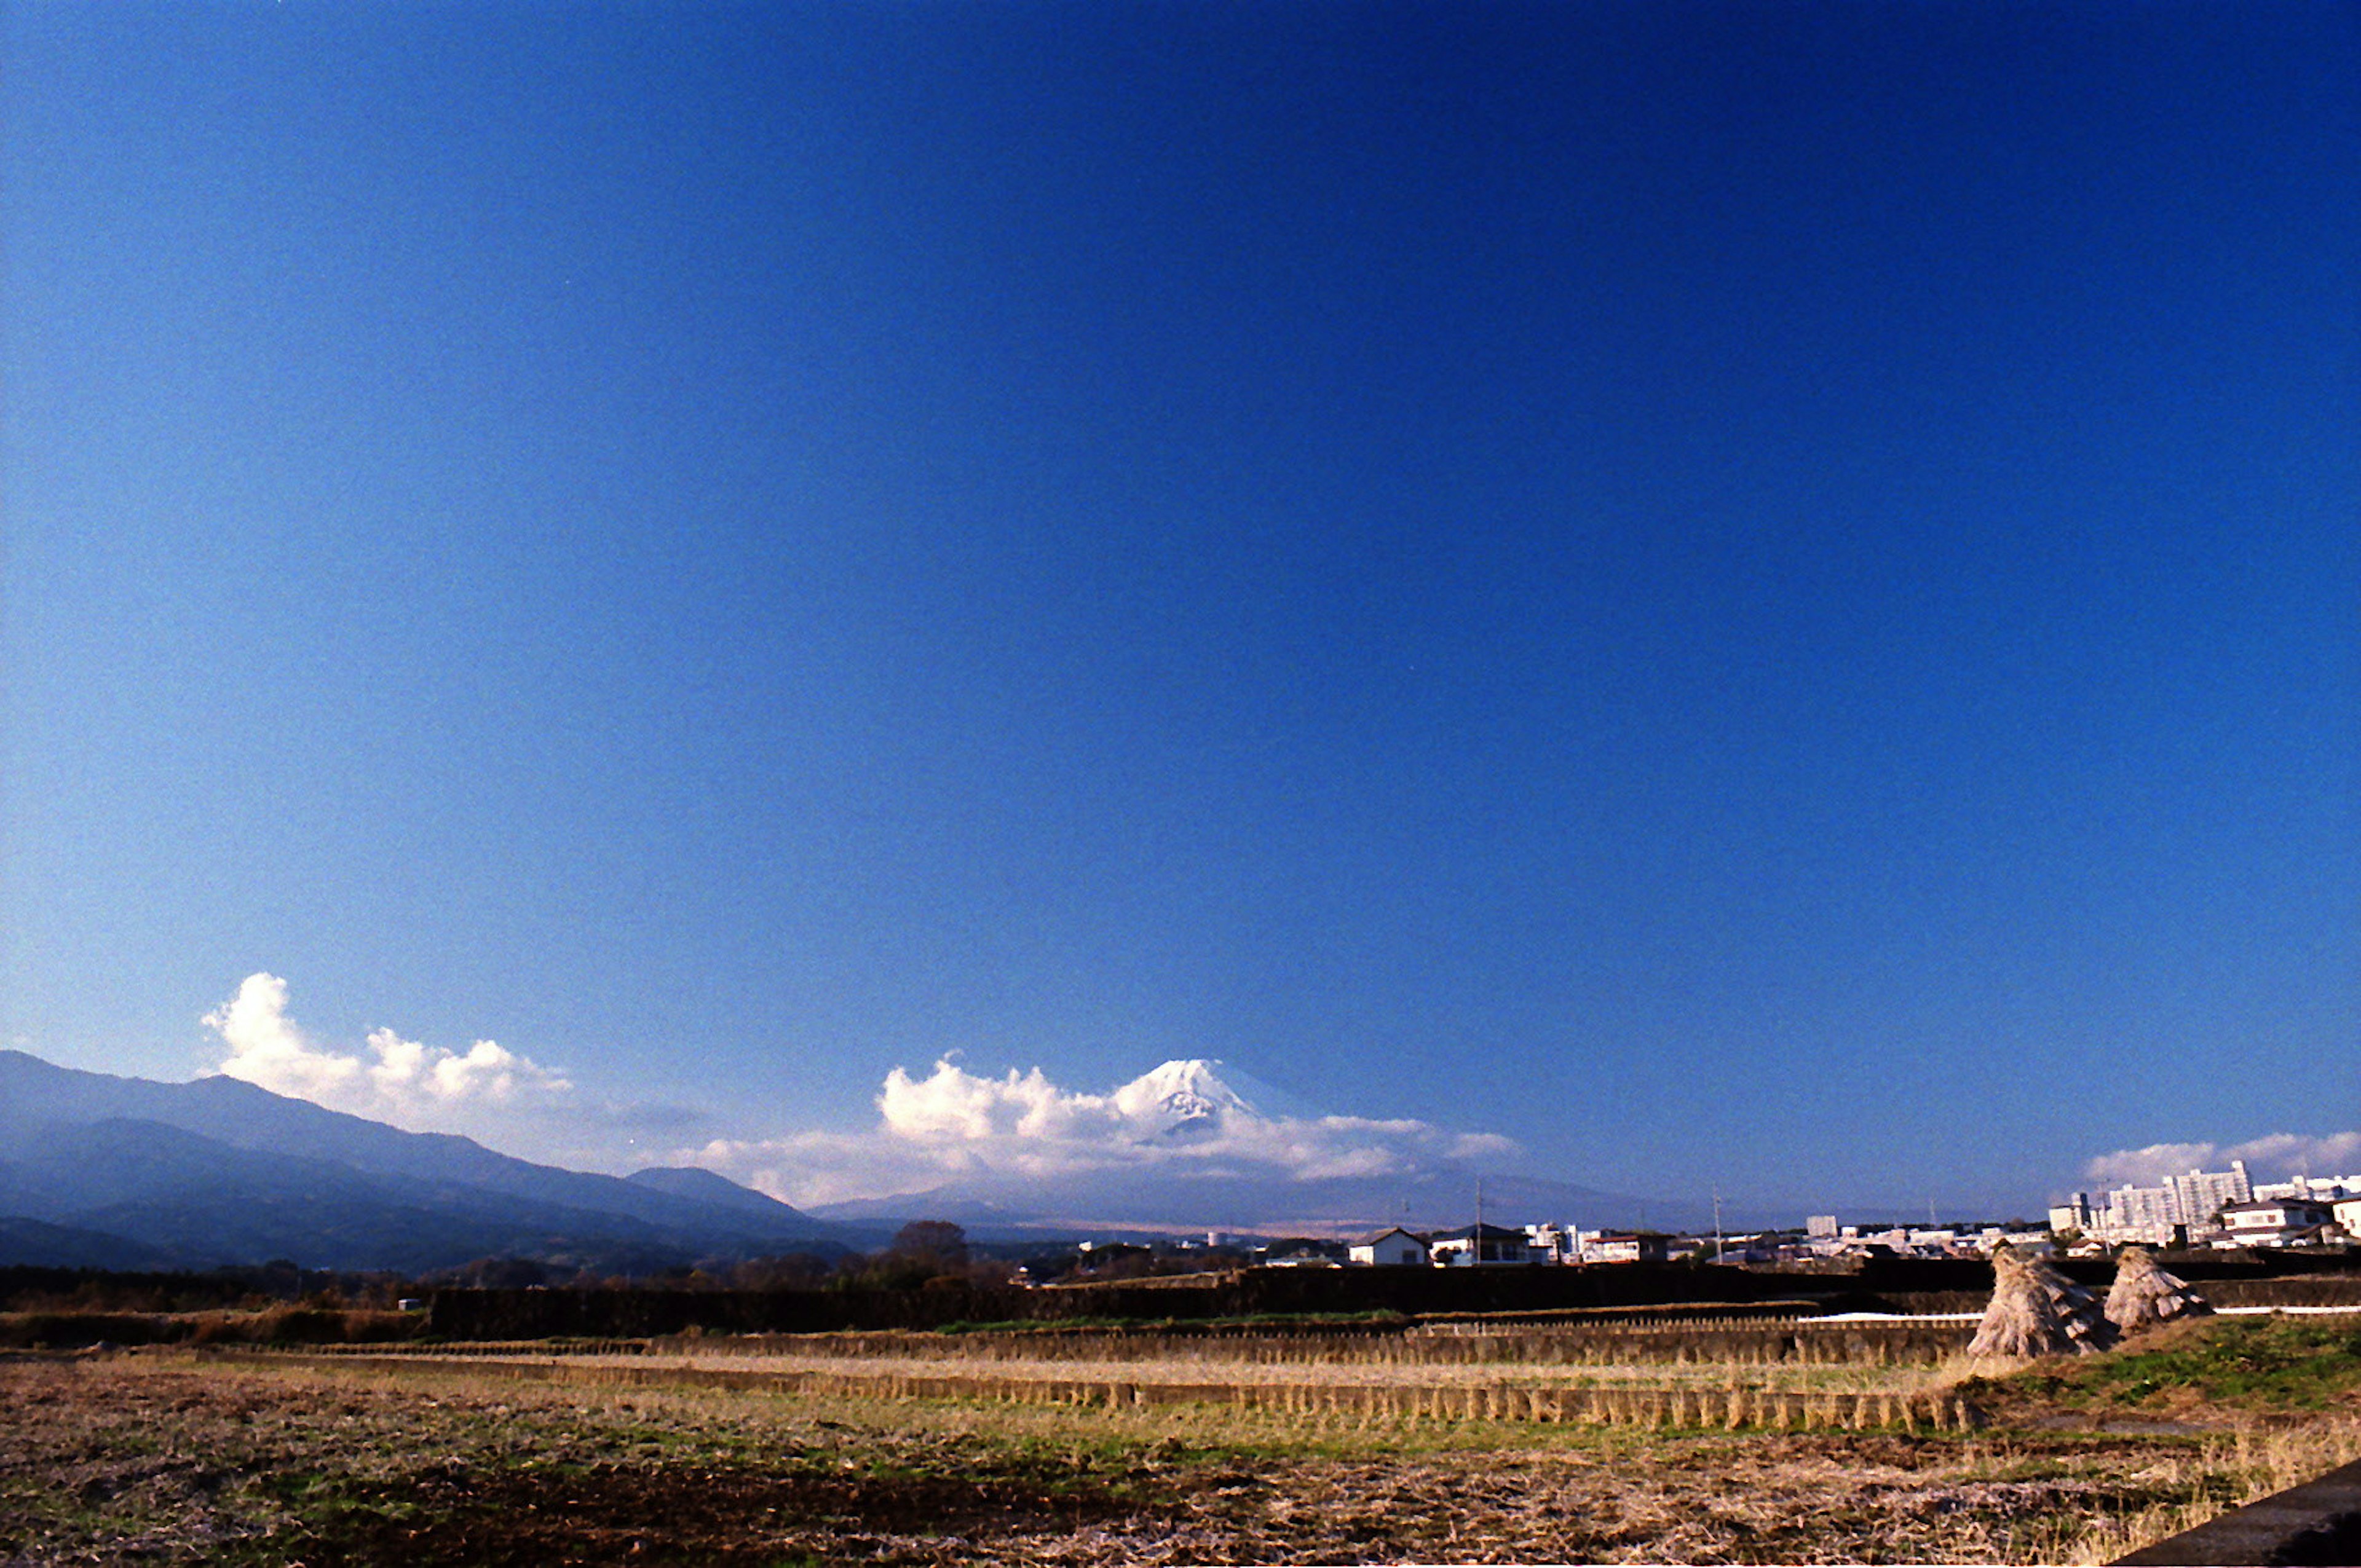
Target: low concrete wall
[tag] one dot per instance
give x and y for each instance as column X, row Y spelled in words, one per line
column 1632, row 1288
column 2297, row 1290
column 2319, row 1522
column 1628, row 1290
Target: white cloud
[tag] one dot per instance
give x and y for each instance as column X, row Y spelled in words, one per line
column 1184, row 1119
column 2274, row 1156
column 408, row 1083
column 957, row 1106
column 267, row 1049
column 407, row 1070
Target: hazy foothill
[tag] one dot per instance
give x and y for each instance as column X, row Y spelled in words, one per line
column 121, row 1173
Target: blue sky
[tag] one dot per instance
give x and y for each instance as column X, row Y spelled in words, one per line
column 1745, row 595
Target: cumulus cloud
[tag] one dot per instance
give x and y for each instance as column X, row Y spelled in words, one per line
column 1184, row 1119
column 267, row 1049
column 399, row 1080
column 2273, row 1156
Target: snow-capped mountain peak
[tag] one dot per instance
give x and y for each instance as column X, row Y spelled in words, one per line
column 1181, row 1094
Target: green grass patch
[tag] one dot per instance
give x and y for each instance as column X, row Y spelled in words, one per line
column 2257, row 1366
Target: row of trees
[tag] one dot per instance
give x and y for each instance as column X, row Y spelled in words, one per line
column 248, row 1286
column 924, row 1255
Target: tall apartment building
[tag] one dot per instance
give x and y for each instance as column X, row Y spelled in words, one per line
column 2149, row 1214
column 2202, row 1194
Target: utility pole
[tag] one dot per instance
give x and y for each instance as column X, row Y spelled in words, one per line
column 1716, row 1224
column 1476, row 1256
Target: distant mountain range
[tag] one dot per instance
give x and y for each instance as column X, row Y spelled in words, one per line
column 100, row 1171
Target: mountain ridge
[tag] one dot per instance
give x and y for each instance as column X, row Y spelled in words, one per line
column 217, row 1171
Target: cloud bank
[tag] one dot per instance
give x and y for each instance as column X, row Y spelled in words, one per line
column 2274, row 1156
column 399, row 1080
column 1184, row 1119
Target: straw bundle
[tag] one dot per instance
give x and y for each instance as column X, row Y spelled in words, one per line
column 2035, row 1311
column 2144, row 1295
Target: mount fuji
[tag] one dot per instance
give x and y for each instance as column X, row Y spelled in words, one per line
column 1193, row 1146
column 1182, row 1098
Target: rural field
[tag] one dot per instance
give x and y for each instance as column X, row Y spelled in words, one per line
column 684, row 1453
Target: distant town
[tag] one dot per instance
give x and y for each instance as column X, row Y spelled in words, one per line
column 2204, row 1208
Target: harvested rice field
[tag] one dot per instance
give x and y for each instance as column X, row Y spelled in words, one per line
column 179, row 1456
column 1314, row 1385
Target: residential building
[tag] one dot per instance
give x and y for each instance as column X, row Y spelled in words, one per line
column 2275, row 1222
column 1624, row 1247
column 2203, row 1194
column 1479, row 1245
column 2347, row 1212
column 1395, row 1247
column 2158, row 1214
column 2036, row 1242
column 1553, row 1243
column 2320, row 1189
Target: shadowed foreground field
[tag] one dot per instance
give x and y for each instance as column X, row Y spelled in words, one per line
column 166, row 1457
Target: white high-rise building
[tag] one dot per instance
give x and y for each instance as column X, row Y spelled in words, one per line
column 2150, row 1213
column 2202, row 1194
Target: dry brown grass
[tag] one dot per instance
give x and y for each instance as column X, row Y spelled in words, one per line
column 1797, row 1377
column 2223, row 1471
column 2145, row 1296
column 170, row 1457
column 2035, row 1311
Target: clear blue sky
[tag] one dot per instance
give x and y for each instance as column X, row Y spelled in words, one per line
column 1747, row 594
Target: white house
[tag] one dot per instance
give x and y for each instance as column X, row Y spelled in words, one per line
column 2274, row 1221
column 1623, row 1246
column 2348, row 1214
column 1396, row 1246
column 1484, row 1244
column 1553, row 1243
